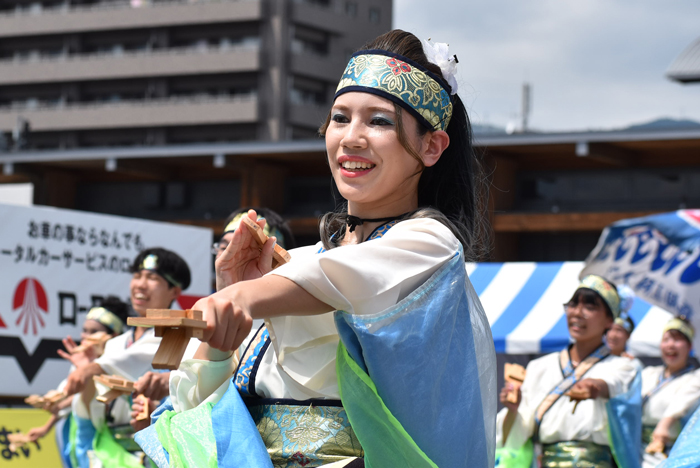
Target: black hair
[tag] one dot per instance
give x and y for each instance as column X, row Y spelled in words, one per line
column 453, row 190
column 169, row 264
column 117, row 307
column 273, row 220
column 629, row 320
column 589, row 296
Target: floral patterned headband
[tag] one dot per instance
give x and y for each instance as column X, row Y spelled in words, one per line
column 402, row 81
column 106, row 318
column 605, row 290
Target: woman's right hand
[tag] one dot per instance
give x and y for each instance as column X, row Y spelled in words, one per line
column 228, row 323
column 243, row 259
column 503, row 397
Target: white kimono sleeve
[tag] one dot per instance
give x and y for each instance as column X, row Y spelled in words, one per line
column 363, row 279
column 524, row 424
column 686, row 398
column 132, row 362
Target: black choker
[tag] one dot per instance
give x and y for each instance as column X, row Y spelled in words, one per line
column 354, row 221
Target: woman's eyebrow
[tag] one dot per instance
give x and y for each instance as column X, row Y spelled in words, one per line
column 386, row 110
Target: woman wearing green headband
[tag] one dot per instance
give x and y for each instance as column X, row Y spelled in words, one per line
column 670, row 391
column 573, row 432
column 109, row 318
column 403, row 372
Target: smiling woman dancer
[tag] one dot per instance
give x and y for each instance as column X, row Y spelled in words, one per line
column 415, row 367
column 670, row 391
column 571, row 434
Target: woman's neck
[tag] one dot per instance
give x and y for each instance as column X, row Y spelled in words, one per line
column 364, row 211
column 580, row 350
column 670, row 370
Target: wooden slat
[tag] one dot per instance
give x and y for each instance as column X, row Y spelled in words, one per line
column 558, row 222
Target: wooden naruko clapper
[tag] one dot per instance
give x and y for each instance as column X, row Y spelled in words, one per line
column 117, row 386
column 176, row 327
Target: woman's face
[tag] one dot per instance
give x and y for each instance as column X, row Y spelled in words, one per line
column 675, row 350
column 90, row 327
column 370, row 166
column 587, row 321
column 617, row 338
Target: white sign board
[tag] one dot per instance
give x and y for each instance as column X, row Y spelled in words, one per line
column 55, row 264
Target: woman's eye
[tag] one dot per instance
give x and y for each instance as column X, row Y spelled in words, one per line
column 381, row 121
column 339, row 118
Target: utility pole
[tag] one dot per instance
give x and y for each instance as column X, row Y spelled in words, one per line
column 526, row 106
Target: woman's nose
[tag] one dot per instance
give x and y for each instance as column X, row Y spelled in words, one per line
column 354, row 136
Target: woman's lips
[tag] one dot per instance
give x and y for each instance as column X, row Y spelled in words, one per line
column 355, row 166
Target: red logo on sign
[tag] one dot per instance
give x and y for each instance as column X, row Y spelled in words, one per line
column 30, row 300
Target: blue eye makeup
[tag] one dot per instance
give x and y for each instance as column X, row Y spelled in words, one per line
column 381, row 120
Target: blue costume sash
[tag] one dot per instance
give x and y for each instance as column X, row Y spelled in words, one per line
column 686, row 451
column 432, row 360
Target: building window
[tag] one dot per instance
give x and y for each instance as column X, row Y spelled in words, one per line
column 351, row 9
column 374, row 15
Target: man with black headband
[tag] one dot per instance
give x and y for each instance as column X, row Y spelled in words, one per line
column 158, row 278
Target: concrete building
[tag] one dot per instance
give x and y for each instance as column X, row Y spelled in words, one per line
column 97, row 73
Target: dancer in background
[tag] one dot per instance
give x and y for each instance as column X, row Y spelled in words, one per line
column 589, row 430
column 670, row 391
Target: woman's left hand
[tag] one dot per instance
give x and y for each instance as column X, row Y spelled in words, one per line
column 243, row 259
column 79, row 359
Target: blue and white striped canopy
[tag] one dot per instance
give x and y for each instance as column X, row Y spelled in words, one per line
column 524, row 304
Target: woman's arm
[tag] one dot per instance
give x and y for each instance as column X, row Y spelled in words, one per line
column 229, row 313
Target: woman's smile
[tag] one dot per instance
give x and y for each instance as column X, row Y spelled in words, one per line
column 355, row 166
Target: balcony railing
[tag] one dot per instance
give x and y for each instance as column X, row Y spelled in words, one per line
column 22, row 106
column 110, row 55
column 105, row 6
column 181, row 111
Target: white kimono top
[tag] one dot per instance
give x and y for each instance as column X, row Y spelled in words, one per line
column 129, row 362
column 675, row 399
column 588, row 423
column 362, row 279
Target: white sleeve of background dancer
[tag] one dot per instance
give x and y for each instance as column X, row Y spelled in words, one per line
column 132, row 362
column 524, row 424
column 686, row 398
column 620, row 377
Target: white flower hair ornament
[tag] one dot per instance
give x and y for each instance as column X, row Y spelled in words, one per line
column 438, row 53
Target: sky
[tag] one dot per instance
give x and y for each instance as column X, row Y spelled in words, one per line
column 591, row 64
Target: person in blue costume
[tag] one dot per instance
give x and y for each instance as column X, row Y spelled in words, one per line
column 378, row 352
column 600, row 427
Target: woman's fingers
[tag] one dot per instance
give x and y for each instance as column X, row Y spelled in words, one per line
column 265, row 260
column 64, row 355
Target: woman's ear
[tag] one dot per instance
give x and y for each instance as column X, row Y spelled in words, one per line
column 434, row 144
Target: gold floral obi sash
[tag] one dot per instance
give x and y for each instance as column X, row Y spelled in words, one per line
column 304, row 434
column 575, row 453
